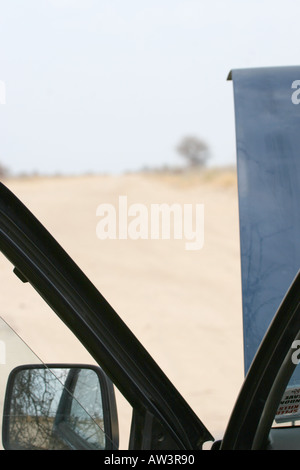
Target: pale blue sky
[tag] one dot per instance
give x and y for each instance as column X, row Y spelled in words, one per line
column 113, row 85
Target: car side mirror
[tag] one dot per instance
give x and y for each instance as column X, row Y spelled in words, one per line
column 59, row 407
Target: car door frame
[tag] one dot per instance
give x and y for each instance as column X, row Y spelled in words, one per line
column 161, row 417
column 266, row 380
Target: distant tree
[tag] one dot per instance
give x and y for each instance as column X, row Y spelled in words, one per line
column 194, row 150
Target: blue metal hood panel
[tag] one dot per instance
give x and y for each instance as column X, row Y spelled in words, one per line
column 267, row 117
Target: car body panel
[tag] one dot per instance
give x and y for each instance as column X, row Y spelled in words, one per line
column 267, row 115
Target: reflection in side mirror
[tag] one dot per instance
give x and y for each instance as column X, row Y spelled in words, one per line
column 59, row 407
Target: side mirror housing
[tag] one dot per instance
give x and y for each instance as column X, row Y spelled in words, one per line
column 59, row 407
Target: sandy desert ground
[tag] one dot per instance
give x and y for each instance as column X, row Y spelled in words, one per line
column 184, row 306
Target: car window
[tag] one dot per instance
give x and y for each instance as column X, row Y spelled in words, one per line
column 288, row 411
column 280, row 421
column 38, row 411
column 42, row 337
column 32, row 334
column 13, row 352
column 86, row 390
column 90, row 397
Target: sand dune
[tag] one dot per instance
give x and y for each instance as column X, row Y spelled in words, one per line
column 184, row 306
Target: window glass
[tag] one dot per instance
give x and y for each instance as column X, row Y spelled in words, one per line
column 45, row 408
column 13, row 353
column 86, row 413
column 23, row 312
column 88, row 390
column 288, row 411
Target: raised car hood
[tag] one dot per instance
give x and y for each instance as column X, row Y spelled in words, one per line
column 267, row 117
